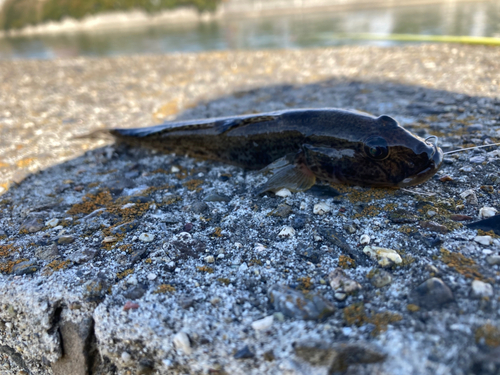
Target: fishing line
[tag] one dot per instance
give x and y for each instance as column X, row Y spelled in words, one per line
column 470, row 148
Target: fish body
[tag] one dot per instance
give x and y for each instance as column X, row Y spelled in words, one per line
column 300, row 146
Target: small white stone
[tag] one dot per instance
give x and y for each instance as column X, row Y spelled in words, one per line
column 151, row 276
column 243, row 267
column 146, row 237
column 466, row 193
column 259, row 247
column 287, row 232
column 210, row 259
column 283, row 193
column 109, row 239
column 364, row 239
column 264, row 323
column 128, row 205
column 487, row 212
column 181, row 341
column 431, row 213
column 126, row 357
column 484, row 240
column 303, row 205
column 340, row 296
column 322, row 208
column 175, row 169
column 52, row 223
column 238, row 245
column 342, row 283
column 59, row 227
column 481, row 289
column 132, row 280
column 385, row 257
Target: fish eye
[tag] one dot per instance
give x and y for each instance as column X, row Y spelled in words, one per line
column 376, row 148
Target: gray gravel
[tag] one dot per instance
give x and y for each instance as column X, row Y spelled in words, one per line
column 170, row 265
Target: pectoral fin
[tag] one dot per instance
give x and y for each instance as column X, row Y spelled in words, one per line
column 288, row 173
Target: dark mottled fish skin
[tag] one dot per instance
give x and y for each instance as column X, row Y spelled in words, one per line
column 301, row 145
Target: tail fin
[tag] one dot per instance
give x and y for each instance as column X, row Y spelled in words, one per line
column 96, row 134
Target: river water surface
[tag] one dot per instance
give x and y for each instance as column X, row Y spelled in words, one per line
column 278, row 31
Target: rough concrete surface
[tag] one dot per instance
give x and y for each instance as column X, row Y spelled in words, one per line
column 126, row 261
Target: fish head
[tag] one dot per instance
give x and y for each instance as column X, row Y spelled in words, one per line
column 383, row 155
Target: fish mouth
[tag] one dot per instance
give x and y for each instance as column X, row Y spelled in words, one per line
column 436, row 158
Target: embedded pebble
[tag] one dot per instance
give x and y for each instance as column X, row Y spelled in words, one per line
column 146, row 237
column 83, row 255
column 295, row 304
column 459, row 217
column 199, row 207
column 431, row 213
column 364, row 239
column 135, row 292
column 52, row 223
column 338, row 357
column 175, row 169
column 64, row 240
column 283, row 193
column 31, row 225
column 109, row 239
column 298, row 222
column 25, row 268
column 380, row 278
column 480, row 289
column 244, row 353
column 434, row 227
column 349, row 228
column 470, row 197
column 341, row 283
column 493, row 259
column 130, row 306
column 432, row 293
column 151, row 276
column 125, row 228
column 216, row 198
column 210, row 259
column 287, row 232
column 487, row 212
column 47, row 252
column 322, row 208
column 384, row 256
column 126, row 357
column 477, row 159
column 182, row 342
column 283, row 210
column 484, row 240
column 263, row 324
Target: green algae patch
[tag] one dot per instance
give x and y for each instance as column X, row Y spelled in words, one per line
column 224, row 280
column 346, row 262
column 355, row 314
column 488, row 334
column 91, row 202
column 205, row 269
column 121, row 275
column 355, row 195
column 305, row 283
column 164, row 288
column 463, row 265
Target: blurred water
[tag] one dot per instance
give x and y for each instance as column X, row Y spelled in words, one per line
column 279, row 31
